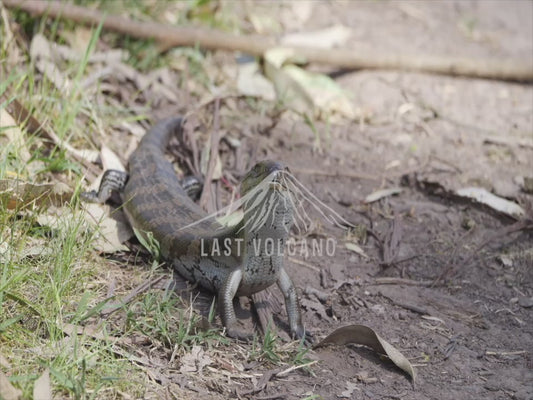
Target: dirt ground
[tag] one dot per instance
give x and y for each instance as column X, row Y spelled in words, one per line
column 463, row 314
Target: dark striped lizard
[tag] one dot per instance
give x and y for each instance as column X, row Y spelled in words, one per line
column 154, row 201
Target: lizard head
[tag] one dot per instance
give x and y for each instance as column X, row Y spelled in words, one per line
column 261, row 171
column 268, row 203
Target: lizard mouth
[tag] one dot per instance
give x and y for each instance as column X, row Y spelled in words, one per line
column 278, row 182
column 278, row 186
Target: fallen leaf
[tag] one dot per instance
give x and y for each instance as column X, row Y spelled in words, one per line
column 10, row 128
column 379, row 194
column 7, row 390
column 356, row 249
column 110, row 160
column 43, row 57
column 264, row 24
column 305, row 91
column 112, row 232
column 42, row 389
column 195, row 360
column 483, row 196
column 79, row 39
column 15, row 193
column 350, row 387
column 250, row 82
column 363, row 335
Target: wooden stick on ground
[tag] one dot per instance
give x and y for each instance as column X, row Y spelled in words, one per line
column 169, row 36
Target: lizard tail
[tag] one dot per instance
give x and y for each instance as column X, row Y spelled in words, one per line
column 158, row 136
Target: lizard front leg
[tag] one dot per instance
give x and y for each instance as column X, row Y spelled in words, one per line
column 113, row 180
column 225, row 299
column 291, row 304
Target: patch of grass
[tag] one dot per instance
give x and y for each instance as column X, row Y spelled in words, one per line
column 272, row 351
column 52, row 282
column 48, row 277
column 162, row 317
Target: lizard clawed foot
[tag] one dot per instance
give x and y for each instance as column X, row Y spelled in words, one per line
column 304, row 335
column 239, row 334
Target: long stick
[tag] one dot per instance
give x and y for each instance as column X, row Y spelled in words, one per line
column 169, row 36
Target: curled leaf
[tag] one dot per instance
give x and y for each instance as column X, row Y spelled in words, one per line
column 379, row 194
column 497, row 203
column 356, row 249
column 363, row 335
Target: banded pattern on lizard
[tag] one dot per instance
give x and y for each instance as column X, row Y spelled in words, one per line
column 155, row 202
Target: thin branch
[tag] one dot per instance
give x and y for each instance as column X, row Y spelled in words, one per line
column 169, row 36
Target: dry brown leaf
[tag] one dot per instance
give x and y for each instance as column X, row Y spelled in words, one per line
column 7, row 390
column 112, row 232
column 195, row 360
column 19, row 194
column 363, row 335
column 42, row 389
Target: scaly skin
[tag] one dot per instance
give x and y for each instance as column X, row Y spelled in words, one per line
column 155, row 202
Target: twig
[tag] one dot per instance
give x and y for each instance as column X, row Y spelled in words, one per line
column 410, row 307
column 169, row 36
column 264, row 312
column 402, row 281
column 111, row 308
column 391, row 242
column 343, row 174
column 305, row 264
column 506, row 353
column 213, row 157
column 294, row 368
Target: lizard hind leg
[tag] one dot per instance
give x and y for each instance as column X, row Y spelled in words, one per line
column 192, row 186
column 113, row 180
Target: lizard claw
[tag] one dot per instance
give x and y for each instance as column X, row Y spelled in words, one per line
column 238, row 334
column 306, row 336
